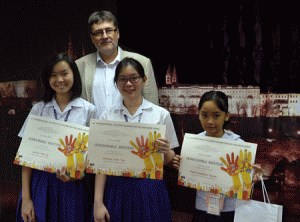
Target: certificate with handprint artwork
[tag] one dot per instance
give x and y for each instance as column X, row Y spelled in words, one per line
column 125, row 149
column 217, row 165
column 49, row 145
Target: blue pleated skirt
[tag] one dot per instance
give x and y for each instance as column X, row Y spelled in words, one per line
column 132, row 199
column 55, row 200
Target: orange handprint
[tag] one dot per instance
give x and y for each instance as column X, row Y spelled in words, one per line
column 143, row 152
column 232, row 170
column 142, row 148
column 69, row 147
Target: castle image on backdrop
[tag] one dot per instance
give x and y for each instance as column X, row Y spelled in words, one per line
column 244, row 101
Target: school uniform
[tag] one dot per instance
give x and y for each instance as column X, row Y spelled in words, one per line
column 97, row 78
column 227, row 213
column 53, row 199
column 135, row 199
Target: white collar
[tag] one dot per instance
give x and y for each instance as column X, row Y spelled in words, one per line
column 117, row 59
column 145, row 105
column 73, row 103
column 227, row 134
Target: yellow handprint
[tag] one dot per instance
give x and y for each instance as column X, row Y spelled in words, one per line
column 154, row 152
column 143, row 152
column 80, row 143
column 245, row 167
column 81, row 149
column 232, row 170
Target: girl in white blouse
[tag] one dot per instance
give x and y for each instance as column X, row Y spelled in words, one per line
column 131, row 199
column 214, row 115
column 56, row 197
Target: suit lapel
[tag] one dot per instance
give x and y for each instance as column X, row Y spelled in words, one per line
column 122, row 54
column 90, row 74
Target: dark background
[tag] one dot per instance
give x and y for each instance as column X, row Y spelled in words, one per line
column 197, row 38
column 187, row 35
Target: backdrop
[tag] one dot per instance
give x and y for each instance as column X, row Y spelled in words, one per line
column 249, row 50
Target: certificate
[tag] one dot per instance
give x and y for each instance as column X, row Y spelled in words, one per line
column 217, row 165
column 125, row 149
column 49, row 145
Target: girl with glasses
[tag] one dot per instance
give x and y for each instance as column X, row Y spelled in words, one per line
column 133, row 199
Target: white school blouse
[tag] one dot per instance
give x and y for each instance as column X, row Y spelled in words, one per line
column 147, row 113
column 229, row 203
column 80, row 112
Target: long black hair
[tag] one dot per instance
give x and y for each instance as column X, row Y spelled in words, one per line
column 77, row 85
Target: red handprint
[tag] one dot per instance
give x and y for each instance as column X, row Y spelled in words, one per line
column 69, row 147
column 143, row 152
column 232, row 166
column 232, row 169
column 142, row 147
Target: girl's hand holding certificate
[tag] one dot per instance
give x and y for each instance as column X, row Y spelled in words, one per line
column 163, row 145
column 61, row 174
column 258, row 172
column 176, row 162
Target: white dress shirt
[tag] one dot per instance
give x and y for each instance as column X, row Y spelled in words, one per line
column 147, row 113
column 105, row 92
column 80, row 112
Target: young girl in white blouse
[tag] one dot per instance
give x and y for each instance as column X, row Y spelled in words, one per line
column 55, row 196
column 214, row 115
column 133, row 199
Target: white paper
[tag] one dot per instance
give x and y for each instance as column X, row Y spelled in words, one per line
column 205, row 160
column 125, row 149
column 49, row 145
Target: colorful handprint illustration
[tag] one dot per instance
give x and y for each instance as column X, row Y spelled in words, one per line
column 241, row 165
column 238, row 167
column 143, row 152
column 68, row 150
column 78, row 146
column 232, row 170
column 154, row 152
column 146, row 148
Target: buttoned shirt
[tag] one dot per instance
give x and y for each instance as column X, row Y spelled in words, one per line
column 87, row 68
column 147, row 113
column 105, row 92
column 80, row 112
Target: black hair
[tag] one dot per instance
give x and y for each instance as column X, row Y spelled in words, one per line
column 101, row 16
column 219, row 98
column 132, row 62
column 77, row 84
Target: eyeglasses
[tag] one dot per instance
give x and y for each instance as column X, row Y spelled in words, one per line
column 100, row 33
column 123, row 81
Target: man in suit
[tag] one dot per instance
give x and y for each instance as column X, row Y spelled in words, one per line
column 97, row 69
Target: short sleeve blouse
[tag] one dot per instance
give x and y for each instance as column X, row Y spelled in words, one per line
column 147, row 113
column 80, row 112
